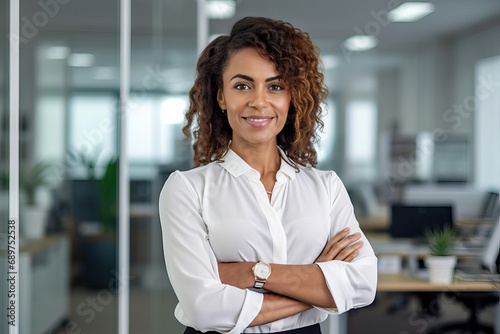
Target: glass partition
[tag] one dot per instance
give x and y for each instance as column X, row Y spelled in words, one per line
column 69, row 139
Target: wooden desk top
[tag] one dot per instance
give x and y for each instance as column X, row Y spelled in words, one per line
column 383, row 244
column 37, row 245
column 407, row 283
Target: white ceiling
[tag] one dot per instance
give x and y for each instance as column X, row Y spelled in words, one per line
column 164, row 32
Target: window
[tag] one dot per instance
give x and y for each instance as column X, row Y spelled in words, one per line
column 360, row 138
column 92, row 127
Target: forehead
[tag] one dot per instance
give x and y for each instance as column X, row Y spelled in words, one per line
column 248, row 61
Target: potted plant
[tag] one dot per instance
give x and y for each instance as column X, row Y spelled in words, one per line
column 34, row 214
column 441, row 262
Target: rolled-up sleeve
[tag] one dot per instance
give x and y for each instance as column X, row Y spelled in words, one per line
column 351, row 284
column 205, row 303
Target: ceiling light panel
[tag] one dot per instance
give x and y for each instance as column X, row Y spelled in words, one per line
column 220, row 9
column 360, row 43
column 410, row 11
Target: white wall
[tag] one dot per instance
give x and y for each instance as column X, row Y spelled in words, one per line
column 422, row 91
column 432, row 80
column 434, row 88
column 466, row 52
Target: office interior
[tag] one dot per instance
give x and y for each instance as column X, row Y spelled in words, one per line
column 413, row 118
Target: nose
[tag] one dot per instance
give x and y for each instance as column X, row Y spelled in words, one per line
column 258, row 99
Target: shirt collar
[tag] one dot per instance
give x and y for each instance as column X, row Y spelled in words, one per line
column 236, row 166
column 288, row 167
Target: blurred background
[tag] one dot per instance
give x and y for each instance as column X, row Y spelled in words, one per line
column 413, row 113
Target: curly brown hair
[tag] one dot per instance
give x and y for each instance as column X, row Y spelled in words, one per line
column 295, row 58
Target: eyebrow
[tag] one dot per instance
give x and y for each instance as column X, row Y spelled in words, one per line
column 246, row 77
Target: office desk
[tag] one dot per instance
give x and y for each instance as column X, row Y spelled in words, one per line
column 383, row 244
column 409, row 283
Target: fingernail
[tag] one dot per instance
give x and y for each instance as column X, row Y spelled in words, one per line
column 346, row 229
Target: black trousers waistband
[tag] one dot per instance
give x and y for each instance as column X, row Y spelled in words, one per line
column 313, row 329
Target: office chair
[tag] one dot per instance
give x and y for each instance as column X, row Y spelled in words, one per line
column 476, row 301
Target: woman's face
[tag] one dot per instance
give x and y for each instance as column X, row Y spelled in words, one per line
column 255, row 97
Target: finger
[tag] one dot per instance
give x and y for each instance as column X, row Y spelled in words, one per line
column 336, row 238
column 346, row 252
column 339, row 236
column 340, row 245
column 351, row 256
column 335, row 245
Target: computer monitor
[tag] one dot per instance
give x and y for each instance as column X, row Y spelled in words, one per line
column 413, row 220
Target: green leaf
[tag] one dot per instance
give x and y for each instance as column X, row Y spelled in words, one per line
column 441, row 242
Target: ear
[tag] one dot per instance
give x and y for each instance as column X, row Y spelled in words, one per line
column 221, row 100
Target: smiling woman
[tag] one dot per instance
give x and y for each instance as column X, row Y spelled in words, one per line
column 256, row 101
column 291, row 63
column 257, row 240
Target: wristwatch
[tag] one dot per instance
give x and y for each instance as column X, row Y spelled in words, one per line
column 261, row 272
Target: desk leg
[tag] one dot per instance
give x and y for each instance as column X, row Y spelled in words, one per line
column 335, row 324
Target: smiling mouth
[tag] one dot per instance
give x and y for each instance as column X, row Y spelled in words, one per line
column 258, row 121
column 251, row 119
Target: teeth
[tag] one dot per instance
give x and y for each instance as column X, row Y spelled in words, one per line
column 258, row 119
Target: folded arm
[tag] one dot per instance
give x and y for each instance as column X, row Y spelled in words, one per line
column 296, row 287
column 276, row 307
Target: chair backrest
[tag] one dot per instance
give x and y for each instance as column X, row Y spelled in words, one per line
column 491, row 205
column 490, row 258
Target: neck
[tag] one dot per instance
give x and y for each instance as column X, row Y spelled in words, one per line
column 265, row 160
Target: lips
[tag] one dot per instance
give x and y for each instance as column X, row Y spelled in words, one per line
column 258, row 121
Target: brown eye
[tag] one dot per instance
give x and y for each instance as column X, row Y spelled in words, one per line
column 276, row 87
column 241, row 86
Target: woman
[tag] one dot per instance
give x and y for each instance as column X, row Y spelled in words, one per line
column 256, row 240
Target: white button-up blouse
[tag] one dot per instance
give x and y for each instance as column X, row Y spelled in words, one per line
column 220, row 212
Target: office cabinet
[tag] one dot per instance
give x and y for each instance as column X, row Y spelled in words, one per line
column 43, row 284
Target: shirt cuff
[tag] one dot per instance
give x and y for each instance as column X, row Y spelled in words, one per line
column 340, row 288
column 251, row 307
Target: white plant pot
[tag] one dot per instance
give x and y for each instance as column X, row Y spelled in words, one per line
column 441, row 268
column 33, row 220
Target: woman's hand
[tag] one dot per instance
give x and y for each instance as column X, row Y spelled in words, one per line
column 238, row 274
column 341, row 247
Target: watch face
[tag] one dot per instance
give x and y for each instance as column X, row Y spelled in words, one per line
column 262, row 270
